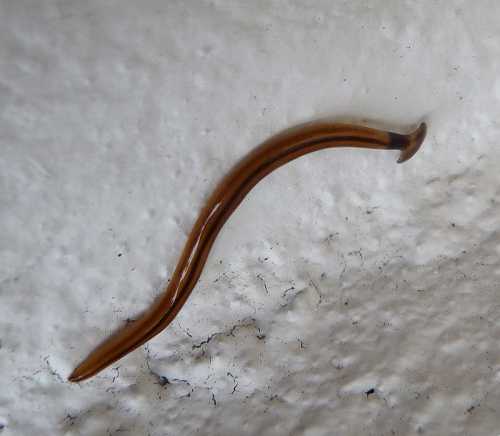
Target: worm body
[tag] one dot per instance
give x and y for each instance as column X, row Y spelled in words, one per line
column 232, row 189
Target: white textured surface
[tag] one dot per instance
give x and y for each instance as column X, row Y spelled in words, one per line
column 341, row 274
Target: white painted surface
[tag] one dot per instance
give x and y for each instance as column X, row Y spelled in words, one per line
column 117, row 118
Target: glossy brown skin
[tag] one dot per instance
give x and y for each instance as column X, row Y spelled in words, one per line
column 233, row 188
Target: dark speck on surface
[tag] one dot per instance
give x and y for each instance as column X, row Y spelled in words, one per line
column 162, row 380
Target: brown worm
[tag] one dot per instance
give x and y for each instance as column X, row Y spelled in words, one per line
column 272, row 154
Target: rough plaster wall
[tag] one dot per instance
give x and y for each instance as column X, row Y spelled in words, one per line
column 347, row 296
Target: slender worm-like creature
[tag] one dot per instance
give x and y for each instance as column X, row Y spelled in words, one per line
column 232, row 189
